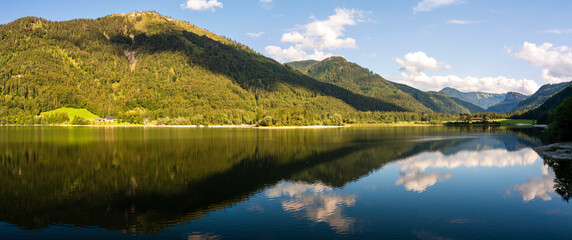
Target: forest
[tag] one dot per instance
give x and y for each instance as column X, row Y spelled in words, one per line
column 144, row 65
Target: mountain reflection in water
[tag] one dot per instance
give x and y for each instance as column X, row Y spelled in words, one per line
column 149, row 180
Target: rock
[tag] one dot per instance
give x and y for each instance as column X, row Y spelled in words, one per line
column 556, row 151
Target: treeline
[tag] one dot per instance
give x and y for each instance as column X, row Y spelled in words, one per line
column 560, row 129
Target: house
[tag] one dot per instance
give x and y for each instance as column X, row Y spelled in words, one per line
column 147, row 120
column 98, row 120
column 109, row 119
column 478, row 119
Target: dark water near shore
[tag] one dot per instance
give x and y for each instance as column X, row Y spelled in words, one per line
column 356, row 183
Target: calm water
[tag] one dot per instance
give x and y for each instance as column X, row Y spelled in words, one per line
column 357, row 183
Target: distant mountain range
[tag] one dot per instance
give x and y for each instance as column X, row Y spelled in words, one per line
column 338, row 71
column 511, row 100
column 481, row 99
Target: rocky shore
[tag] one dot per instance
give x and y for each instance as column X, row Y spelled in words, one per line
column 556, row 151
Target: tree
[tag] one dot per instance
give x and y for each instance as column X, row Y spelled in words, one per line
column 561, row 129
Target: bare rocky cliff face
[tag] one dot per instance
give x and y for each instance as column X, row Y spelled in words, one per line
column 131, row 56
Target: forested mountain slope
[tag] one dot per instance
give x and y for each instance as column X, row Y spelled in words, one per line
column 544, row 112
column 540, row 96
column 149, row 65
column 338, row 71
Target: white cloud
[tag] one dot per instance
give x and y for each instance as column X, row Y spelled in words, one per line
column 201, row 5
column 413, row 66
column 555, row 61
column 559, row 31
column 255, row 35
column 294, row 54
column 419, row 62
column 429, row 5
column 462, row 22
column 267, row 4
column 318, row 36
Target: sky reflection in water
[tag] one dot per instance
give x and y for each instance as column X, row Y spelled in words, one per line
column 356, row 183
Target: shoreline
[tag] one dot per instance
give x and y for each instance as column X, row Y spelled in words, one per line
column 178, row 126
column 557, row 151
column 274, row 127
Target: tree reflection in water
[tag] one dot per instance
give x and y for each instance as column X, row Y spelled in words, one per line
column 148, row 180
column 563, row 177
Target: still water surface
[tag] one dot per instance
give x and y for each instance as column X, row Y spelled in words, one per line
column 356, row 183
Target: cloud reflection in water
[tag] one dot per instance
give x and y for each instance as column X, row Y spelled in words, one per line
column 318, row 202
column 414, row 178
column 541, row 187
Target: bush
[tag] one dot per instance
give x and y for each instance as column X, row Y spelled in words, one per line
column 561, row 129
column 265, row 122
column 77, row 120
column 174, row 121
column 55, row 118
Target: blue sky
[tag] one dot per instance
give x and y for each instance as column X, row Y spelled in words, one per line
column 472, row 45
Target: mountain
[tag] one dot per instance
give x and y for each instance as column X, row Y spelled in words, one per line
column 544, row 112
column 338, row 71
column 510, row 102
column 439, row 102
column 540, row 96
column 471, row 107
column 150, row 65
column 481, row 99
column 301, row 65
column 350, row 76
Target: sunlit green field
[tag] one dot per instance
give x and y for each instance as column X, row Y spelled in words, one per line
column 72, row 112
column 514, row 121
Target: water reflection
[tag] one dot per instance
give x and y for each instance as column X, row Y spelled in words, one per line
column 414, row 178
column 556, row 179
column 541, row 187
column 144, row 181
column 317, row 202
column 419, row 181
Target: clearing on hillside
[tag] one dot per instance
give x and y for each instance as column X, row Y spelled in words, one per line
column 72, row 112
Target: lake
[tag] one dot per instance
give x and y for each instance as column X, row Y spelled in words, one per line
column 351, row 183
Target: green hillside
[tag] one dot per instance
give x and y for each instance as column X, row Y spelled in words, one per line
column 439, row 102
column 338, row 71
column 545, row 112
column 142, row 64
column 540, row 96
column 481, row 99
column 301, row 66
column 72, row 113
